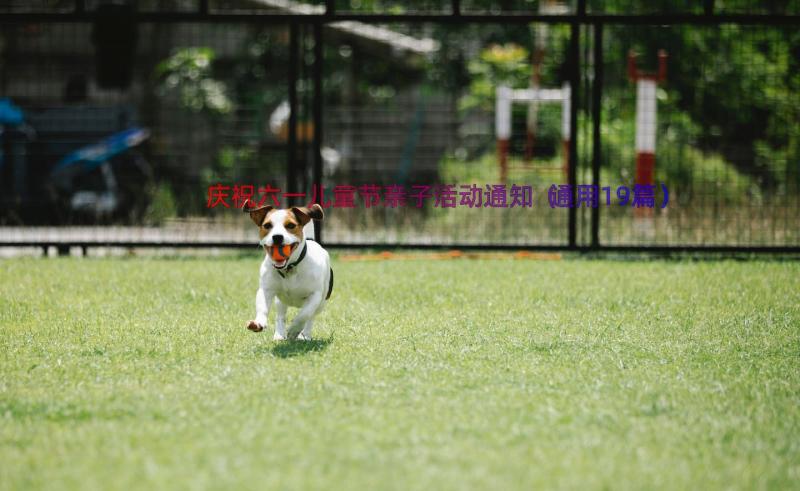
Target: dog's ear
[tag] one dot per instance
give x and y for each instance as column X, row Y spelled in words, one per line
column 257, row 214
column 304, row 215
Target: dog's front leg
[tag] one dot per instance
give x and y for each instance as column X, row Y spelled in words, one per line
column 280, row 320
column 264, row 300
column 306, row 312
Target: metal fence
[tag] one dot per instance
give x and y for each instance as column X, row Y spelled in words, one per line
column 324, row 100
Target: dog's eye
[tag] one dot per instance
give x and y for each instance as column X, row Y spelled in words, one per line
column 290, row 226
column 267, row 225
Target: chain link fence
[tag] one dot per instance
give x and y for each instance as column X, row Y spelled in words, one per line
column 149, row 126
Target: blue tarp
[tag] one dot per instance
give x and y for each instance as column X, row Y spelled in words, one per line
column 89, row 157
column 9, row 113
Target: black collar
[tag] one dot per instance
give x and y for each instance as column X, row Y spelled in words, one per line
column 290, row 267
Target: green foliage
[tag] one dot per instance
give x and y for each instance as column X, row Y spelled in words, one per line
column 162, row 205
column 188, row 72
column 388, row 6
column 258, row 78
column 730, row 95
column 736, row 82
column 680, row 163
column 497, row 65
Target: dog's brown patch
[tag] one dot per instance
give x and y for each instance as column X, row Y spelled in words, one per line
column 293, row 225
column 254, row 327
column 258, row 215
column 265, row 225
column 296, row 218
column 304, row 215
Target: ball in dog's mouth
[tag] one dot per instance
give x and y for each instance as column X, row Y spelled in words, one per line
column 280, row 254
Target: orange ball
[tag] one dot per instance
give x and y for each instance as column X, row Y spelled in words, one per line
column 280, row 253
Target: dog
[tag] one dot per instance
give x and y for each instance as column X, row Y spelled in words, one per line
column 296, row 271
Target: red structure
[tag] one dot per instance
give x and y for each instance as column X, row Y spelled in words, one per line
column 646, row 120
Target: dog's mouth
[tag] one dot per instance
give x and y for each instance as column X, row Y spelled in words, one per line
column 279, row 254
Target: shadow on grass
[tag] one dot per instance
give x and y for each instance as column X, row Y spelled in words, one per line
column 289, row 349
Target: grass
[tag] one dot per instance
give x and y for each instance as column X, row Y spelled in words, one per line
column 139, row 374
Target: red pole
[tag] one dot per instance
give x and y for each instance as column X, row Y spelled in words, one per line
column 646, row 112
column 502, row 157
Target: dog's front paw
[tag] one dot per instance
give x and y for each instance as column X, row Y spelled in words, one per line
column 303, row 337
column 278, row 337
column 254, row 326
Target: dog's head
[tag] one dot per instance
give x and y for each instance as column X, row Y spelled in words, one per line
column 281, row 230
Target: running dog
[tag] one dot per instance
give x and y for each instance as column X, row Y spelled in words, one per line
column 296, row 271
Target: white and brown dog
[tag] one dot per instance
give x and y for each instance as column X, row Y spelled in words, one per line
column 295, row 272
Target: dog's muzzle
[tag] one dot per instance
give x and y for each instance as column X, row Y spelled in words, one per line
column 278, row 253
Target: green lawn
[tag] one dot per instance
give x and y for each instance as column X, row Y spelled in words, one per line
column 139, row 373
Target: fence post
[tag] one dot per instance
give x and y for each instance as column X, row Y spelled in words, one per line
column 573, row 59
column 316, row 170
column 291, row 160
column 597, row 120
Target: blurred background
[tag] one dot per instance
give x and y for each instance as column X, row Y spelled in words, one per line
column 124, row 122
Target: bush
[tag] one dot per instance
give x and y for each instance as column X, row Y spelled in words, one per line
column 162, row 205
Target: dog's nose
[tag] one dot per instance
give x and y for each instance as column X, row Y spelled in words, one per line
column 277, row 239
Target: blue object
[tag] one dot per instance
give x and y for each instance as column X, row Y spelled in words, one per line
column 9, row 113
column 91, row 156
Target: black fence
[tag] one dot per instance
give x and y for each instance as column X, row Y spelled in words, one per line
column 202, row 104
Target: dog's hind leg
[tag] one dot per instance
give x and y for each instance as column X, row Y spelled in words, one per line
column 280, row 320
column 305, row 334
column 306, row 313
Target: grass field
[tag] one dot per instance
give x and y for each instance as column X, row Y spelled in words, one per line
column 139, row 374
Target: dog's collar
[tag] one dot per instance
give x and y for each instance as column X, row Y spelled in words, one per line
column 290, row 267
